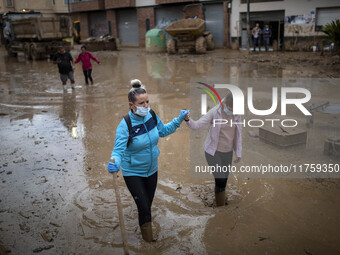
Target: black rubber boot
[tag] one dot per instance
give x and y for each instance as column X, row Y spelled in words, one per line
column 220, row 198
column 146, row 230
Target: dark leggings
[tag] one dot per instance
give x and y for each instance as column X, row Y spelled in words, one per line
column 221, row 159
column 142, row 190
column 87, row 74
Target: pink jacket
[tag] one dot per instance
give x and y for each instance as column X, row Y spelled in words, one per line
column 211, row 142
column 85, row 59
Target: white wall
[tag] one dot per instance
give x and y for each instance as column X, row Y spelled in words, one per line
column 291, row 7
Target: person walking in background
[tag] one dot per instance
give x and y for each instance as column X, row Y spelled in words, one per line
column 267, row 34
column 65, row 66
column 136, row 152
column 256, row 32
column 85, row 57
column 220, row 142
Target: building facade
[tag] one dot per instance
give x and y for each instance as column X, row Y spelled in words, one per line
column 131, row 19
column 48, row 8
column 295, row 24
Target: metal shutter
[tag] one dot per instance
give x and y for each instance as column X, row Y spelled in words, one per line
column 128, row 27
column 215, row 22
column 167, row 15
column 325, row 16
column 98, row 24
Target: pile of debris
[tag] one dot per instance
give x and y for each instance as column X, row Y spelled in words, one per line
column 97, row 44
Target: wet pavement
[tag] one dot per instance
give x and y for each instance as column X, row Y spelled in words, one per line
column 56, row 194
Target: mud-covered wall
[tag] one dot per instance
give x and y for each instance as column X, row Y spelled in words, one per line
column 302, row 37
column 304, row 43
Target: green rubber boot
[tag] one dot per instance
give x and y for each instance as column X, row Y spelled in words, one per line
column 146, row 230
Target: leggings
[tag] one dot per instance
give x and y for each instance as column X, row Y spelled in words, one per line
column 221, row 159
column 87, row 74
column 142, row 190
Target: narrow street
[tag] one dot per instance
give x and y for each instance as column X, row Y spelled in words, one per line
column 58, row 198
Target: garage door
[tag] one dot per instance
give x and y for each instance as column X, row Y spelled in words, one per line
column 128, row 27
column 327, row 15
column 167, row 15
column 98, row 24
column 214, row 22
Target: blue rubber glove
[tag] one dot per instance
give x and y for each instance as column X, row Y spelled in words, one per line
column 183, row 114
column 112, row 167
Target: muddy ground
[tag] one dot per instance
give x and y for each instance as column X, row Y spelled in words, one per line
column 56, row 194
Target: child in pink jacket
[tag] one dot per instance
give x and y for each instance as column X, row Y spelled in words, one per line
column 221, row 141
column 85, row 57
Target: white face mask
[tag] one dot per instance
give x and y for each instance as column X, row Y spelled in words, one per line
column 142, row 111
column 227, row 111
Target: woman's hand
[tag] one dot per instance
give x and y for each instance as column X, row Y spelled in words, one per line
column 187, row 117
column 112, row 166
column 237, row 160
column 183, row 114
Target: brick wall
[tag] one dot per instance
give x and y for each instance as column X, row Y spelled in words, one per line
column 75, row 16
column 84, row 25
column 142, row 15
column 174, row 1
column 119, row 3
column 93, row 5
column 111, row 16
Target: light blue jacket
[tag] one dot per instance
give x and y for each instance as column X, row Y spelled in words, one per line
column 141, row 157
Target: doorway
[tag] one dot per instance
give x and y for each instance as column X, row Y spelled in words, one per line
column 275, row 20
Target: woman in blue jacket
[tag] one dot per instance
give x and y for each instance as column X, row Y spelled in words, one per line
column 136, row 152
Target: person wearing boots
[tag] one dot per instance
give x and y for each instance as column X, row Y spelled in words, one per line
column 256, row 32
column 85, row 57
column 65, row 66
column 220, row 142
column 267, row 34
column 136, row 152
